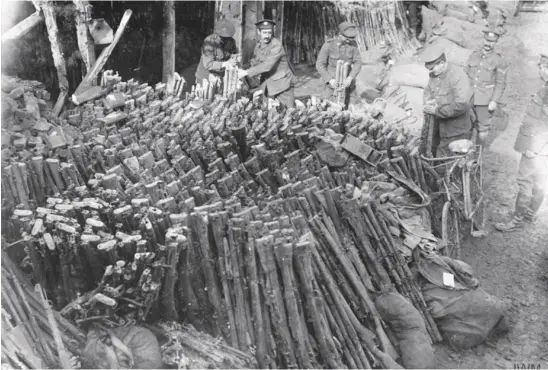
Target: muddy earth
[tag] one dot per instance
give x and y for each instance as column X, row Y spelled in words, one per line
column 511, row 266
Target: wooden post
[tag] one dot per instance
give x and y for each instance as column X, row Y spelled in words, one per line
column 23, row 27
column 99, row 64
column 278, row 17
column 85, row 42
column 58, row 58
column 168, row 44
column 253, row 12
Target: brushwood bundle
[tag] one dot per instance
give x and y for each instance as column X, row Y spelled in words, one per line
column 309, row 24
column 250, row 222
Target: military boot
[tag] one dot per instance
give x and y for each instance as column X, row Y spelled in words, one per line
column 514, row 224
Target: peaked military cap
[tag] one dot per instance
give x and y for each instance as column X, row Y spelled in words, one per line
column 348, row 29
column 432, row 55
column 225, row 28
column 491, row 34
column 265, row 24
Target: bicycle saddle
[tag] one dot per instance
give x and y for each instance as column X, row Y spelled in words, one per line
column 462, row 146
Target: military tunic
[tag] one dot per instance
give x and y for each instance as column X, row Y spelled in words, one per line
column 270, row 62
column 533, row 172
column 453, row 98
column 326, row 63
column 215, row 51
column 487, row 73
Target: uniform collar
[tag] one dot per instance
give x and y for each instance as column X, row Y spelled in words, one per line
column 486, row 53
column 444, row 73
column 262, row 46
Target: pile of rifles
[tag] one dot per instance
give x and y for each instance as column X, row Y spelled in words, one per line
column 221, row 213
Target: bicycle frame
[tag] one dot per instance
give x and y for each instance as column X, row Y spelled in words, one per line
column 468, row 163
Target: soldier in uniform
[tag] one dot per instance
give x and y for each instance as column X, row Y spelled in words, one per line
column 412, row 10
column 345, row 48
column 532, row 143
column 218, row 51
column 447, row 97
column 270, row 62
column 487, row 72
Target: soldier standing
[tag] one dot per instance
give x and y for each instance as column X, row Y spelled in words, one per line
column 270, row 62
column 218, row 51
column 345, row 48
column 487, row 72
column 532, row 143
column 447, row 97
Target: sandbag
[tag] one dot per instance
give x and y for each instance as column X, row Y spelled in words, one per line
column 409, row 328
column 454, row 53
column 465, row 34
column 458, row 9
column 429, row 19
column 414, row 97
column 465, row 314
column 414, row 74
column 393, row 112
column 372, row 76
column 130, row 347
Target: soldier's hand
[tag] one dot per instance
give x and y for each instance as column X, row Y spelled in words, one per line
column 530, row 154
column 347, row 82
column 230, row 62
column 236, row 57
column 492, row 106
column 333, row 83
column 242, row 73
column 482, row 136
column 429, row 108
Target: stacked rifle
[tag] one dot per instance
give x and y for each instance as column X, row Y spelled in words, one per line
column 342, row 71
column 224, row 214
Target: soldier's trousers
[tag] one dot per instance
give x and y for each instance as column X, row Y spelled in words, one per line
column 483, row 118
column 532, row 182
column 286, row 97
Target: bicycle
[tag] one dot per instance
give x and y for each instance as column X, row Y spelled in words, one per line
column 460, row 181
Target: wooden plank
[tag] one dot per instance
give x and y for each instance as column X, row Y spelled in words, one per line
column 23, row 27
column 85, row 42
column 99, row 64
column 168, row 44
column 58, row 58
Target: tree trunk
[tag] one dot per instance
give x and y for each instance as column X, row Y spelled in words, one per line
column 23, row 27
column 85, row 42
column 168, row 42
column 58, row 58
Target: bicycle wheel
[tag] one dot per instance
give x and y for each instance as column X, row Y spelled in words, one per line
column 474, row 198
column 450, row 230
column 517, row 7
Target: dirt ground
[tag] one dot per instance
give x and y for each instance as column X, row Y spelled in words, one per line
column 513, row 266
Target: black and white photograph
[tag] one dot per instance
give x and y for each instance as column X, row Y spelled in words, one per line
column 236, row 184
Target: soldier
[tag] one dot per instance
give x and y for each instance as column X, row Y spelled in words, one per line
column 448, row 97
column 487, row 72
column 412, row 10
column 270, row 62
column 345, row 48
column 218, row 51
column 532, row 143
